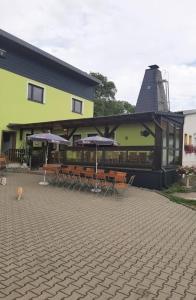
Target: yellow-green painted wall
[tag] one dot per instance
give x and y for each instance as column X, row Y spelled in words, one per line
column 15, row 108
column 126, row 134
column 130, row 135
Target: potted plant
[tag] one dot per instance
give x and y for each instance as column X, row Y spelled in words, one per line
column 186, row 172
column 188, row 148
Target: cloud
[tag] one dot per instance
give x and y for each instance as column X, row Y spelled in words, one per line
column 116, row 38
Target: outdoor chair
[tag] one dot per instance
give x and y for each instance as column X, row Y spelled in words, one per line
column 52, row 169
column 117, row 181
column 131, row 179
column 63, row 175
column 76, row 177
column 120, row 188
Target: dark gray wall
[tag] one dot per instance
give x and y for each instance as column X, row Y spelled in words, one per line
column 31, row 65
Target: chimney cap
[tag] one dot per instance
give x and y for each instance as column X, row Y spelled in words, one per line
column 153, row 67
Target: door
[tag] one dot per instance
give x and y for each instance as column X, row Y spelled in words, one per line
column 8, row 141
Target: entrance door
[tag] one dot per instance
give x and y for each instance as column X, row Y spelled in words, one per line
column 8, row 141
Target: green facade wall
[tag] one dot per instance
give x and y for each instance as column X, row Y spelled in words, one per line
column 125, row 135
column 15, row 108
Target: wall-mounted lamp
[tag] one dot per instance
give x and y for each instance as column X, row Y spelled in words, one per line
column 144, row 133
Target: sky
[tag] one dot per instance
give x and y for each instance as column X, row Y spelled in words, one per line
column 119, row 39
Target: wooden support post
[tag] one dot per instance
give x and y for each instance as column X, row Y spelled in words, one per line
column 21, row 134
column 113, row 130
column 72, row 133
column 99, row 131
column 157, row 164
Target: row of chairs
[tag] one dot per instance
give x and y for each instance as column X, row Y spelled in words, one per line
column 81, row 178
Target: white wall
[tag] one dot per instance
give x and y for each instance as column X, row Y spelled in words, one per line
column 189, row 159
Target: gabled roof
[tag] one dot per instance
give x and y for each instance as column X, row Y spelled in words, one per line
column 13, row 39
column 188, row 112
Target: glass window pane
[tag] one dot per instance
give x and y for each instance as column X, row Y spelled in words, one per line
column 77, row 106
column 177, row 157
column 37, row 94
column 164, row 157
column 171, row 157
column 164, row 126
column 177, row 138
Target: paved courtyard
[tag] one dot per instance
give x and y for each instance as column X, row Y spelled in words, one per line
column 58, row 244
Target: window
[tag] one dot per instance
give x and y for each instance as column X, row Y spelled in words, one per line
column 35, row 93
column 186, row 139
column 77, row 106
column 190, row 140
column 171, row 144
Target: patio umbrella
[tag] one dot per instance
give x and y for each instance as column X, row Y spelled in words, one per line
column 47, row 138
column 96, row 141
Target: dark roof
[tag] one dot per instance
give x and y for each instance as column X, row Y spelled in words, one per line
column 100, row 121
column 31, row 48
column 152, row 97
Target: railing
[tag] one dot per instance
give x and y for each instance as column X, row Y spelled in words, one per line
column 120, row 156
column 15, row 155
column 131, row 156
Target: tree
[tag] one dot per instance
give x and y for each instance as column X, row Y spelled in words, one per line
column 106, row 90
column 105, row 103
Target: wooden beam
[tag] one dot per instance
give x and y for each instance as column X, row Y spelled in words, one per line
column 148, row 129
column 106, row 131
column 157, row 163
column 157, row 123
column 21, row 134
column 113, row 130
column 99, row 131
column 71, row 133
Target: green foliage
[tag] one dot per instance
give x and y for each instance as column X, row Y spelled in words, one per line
column 106, row 90
column 111, row 107
column 176, row 188
column 105, row 103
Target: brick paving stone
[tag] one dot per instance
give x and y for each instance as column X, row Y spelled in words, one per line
column 83, row 290
column 12, row 296
column 175, row 296
column 44, row 296
column 29, row 295
column 189, row 296
column 61, row 243
column 104, row 296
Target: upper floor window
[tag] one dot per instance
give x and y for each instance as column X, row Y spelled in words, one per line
column 77, row 106
column 35, row 93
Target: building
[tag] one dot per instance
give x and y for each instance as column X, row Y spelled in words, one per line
column 150, row 140
column 189, row 138
column 37, row 87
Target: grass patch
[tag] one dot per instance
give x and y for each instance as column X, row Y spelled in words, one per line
column 177, row 188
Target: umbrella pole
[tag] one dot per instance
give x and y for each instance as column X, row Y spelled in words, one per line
column 46, row 160
column 96, row 159
column 96, row 189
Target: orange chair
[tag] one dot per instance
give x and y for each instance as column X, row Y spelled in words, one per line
column 120, row 188
column 53, row 169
